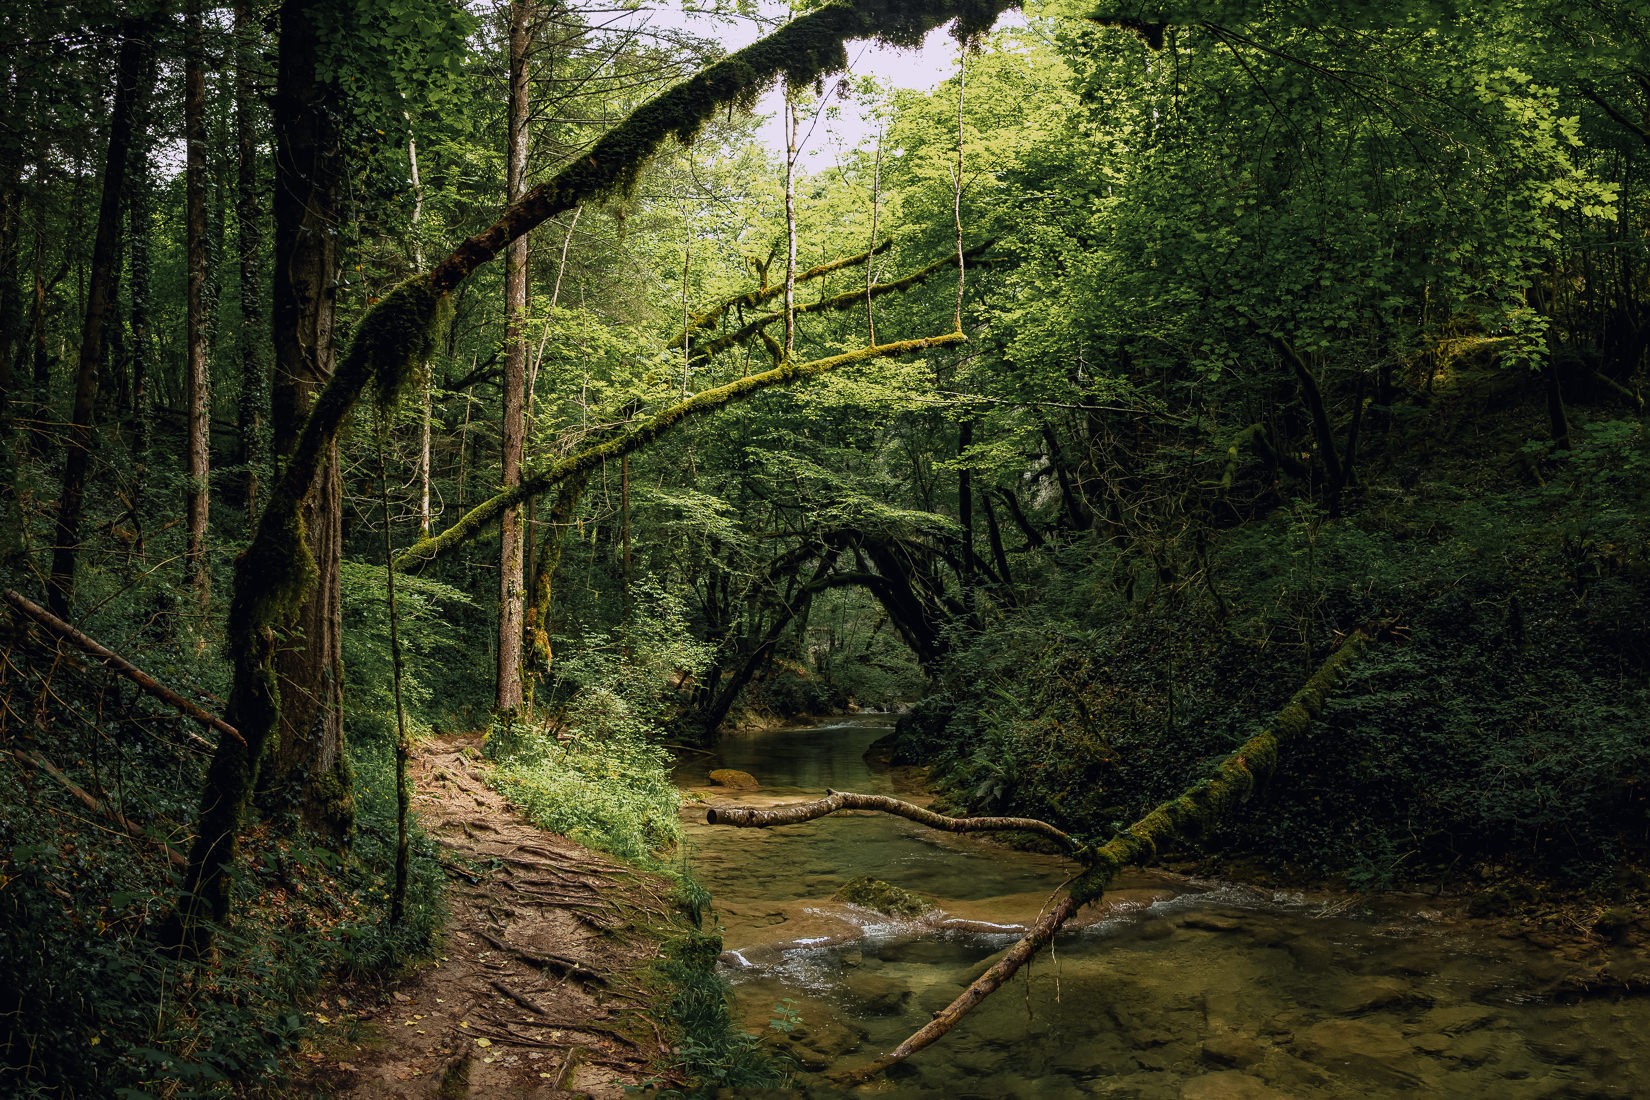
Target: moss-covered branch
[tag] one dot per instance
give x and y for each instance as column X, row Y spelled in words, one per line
column 753, row 298
column 802, row 51
column 846, row 300
column 487, row 512
column 835, row 801
column 1197, row 808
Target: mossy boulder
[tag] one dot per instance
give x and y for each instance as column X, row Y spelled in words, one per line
column 883, row 897
column 734, row 779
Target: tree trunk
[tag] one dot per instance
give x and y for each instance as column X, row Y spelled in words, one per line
column 307, row 770
column 140, row 344
column 197, row 495
column 544, row 576
column 511, row 596
column 254, row 360
column 102, row 288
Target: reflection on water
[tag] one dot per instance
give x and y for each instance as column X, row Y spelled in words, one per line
column 1175, row 990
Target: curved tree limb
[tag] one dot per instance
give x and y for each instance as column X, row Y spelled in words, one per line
column 533, row 484
column 744, row 817
column 846, row 300
column 753, row 298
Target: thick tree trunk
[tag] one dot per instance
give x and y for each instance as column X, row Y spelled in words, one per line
column 248, row 215
column 197, row 495
column 307, row 770
column 511, row 596
column 102, row 288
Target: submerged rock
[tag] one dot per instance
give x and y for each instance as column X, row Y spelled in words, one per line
column 884, row 897
column 734, row 779
column 1228, row 1085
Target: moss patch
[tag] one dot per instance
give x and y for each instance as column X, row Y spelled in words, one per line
column 883, row 897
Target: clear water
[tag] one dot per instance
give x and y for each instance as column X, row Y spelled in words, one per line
column 1177, row 989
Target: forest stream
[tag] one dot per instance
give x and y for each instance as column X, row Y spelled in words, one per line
column 1172, row 988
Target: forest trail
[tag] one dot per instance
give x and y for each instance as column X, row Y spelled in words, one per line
column 541, row 985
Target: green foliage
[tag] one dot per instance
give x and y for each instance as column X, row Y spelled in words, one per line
column 712, row 1052
column 594, row 768
column 90, row 1006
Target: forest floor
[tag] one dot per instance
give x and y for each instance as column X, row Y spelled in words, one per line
column 544, row 983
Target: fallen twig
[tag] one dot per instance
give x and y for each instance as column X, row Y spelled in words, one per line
column 115, row 663
column 98, row 807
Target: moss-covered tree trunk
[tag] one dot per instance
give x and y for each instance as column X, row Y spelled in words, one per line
column 306, row 769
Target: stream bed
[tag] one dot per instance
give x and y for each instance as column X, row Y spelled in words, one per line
column 1171, row 988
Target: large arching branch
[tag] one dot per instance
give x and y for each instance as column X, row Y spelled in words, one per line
column 487, row 512
column 802, row 51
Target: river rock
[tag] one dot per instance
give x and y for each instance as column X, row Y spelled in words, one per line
column 1457, row 1019
column 1234, row 1050
column 876, row 994
column 1211, row 922
column 1357, row 996
column 1228, row 1085
column 821, row 1039
column 1339, row 1041
column 1474, row 1048
column 734, row 779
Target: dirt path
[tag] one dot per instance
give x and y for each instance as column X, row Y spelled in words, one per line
column 541, row 986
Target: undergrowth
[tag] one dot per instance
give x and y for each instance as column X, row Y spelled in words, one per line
column 89, row 1007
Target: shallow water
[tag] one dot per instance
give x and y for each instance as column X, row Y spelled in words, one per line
column 1174, row 989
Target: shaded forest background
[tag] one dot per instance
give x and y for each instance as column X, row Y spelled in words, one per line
column 1281, row 322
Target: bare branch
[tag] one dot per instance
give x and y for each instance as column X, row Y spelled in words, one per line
column 745, row 817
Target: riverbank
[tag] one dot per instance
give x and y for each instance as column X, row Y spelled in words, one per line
column 548, row 980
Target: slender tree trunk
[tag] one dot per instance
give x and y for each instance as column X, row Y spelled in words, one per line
column 427, row 413
column 42, row 358
column 790, row 224
column 197, row 494
column 994, row 533
column 141, row 342
column 542, row 603
column 102, row 288
column 11, row 224
column 511, row 595
column 249, row 231
column 965, row 499
column 307, row 770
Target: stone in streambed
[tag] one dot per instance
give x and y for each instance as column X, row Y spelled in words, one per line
column 1228, row 1085
column 876, row 994
column 1360, row 995
column 734, row 779
column 872, row 893
column 1233, row 1050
